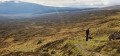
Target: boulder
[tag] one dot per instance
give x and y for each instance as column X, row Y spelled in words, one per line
column 53, row 52
column 39, row 42
column 115, row 36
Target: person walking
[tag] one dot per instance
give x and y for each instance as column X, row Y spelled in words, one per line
column 87, row 34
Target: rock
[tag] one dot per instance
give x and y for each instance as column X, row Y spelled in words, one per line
column 53, row 52
column 46, row 50
column 39, row 42
column 114, row 36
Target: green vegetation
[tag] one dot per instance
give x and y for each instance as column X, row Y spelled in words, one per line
column 61, row 35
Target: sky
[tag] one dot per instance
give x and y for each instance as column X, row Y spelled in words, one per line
column 72, row 3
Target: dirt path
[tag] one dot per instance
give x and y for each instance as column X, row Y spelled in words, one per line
column 88, row 52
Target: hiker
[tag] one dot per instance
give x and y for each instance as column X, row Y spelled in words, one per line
column 87, row 33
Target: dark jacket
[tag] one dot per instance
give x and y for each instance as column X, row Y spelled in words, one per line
column 87, row 31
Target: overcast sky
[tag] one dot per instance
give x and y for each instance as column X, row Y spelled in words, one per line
column 73, row 3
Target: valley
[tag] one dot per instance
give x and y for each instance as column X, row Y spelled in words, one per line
column 61, row 34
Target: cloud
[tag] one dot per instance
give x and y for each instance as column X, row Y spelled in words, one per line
column 73, row 3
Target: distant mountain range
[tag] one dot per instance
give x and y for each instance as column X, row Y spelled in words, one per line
column 11, row 7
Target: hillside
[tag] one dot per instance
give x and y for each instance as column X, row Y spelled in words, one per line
column 61, row 34
column 117, row 7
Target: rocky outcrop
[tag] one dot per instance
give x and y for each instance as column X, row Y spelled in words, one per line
column 115, row 36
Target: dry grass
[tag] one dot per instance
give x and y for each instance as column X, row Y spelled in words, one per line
column 63, row 38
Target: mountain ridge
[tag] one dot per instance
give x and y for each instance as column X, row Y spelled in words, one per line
column 11, row 7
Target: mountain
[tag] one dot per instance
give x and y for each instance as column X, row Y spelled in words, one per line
column 116, row 7
column 11, row 7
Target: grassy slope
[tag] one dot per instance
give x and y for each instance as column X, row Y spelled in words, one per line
column 62, row 37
